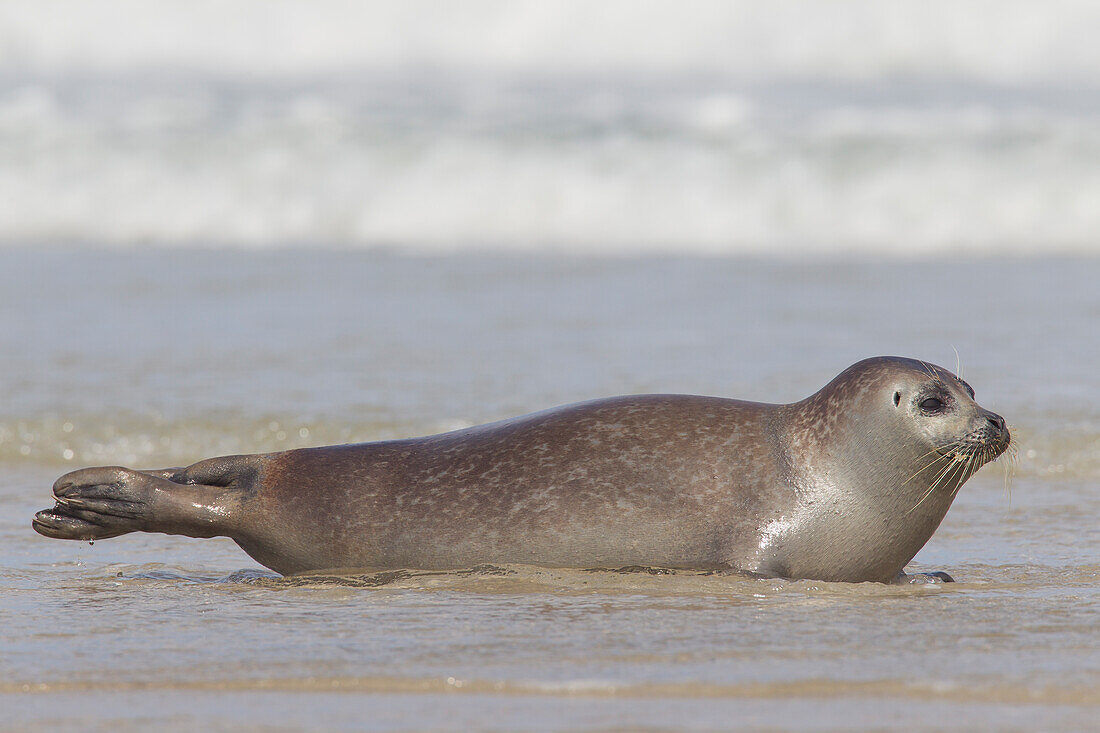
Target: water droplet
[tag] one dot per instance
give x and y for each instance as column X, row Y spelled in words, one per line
column 67, row 454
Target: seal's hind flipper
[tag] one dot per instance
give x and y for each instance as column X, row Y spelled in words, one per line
column 60, row 524
column 96, row 503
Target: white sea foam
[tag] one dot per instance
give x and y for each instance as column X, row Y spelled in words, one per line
column 858, row 39
column 719, row 128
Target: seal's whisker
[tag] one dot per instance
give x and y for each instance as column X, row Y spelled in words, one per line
column 952, row 462
column 931, row 463
column 960, row 474
column 941, row 478
column 961, row 468
column 932, row 488
column 940, row 475
column 1009, row 466
column 921, row 470
column 964, row 474
column 970, row 469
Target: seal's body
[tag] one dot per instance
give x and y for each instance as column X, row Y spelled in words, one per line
column 846, row 485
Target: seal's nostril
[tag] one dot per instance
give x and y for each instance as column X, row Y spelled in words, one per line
column 996, row 421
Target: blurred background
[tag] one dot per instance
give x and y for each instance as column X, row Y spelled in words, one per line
column 248, row 225
column 603, row 128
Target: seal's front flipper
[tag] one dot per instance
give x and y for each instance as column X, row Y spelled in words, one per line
column 96, row 503
column 932, row 578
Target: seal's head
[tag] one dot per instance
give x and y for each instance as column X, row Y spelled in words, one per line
column 878, row 455
column 942, row 408
column 910, row 411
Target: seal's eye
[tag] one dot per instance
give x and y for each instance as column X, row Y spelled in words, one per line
column 932, row 404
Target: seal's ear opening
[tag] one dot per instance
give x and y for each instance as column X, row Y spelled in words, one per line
column 897, row 399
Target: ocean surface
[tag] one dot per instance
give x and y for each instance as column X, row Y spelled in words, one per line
column 159, row 358
column 253, row 226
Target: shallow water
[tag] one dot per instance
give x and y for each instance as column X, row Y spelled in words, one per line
column 163, row 358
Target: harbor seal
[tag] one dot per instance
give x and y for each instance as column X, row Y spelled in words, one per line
column 845, row 485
